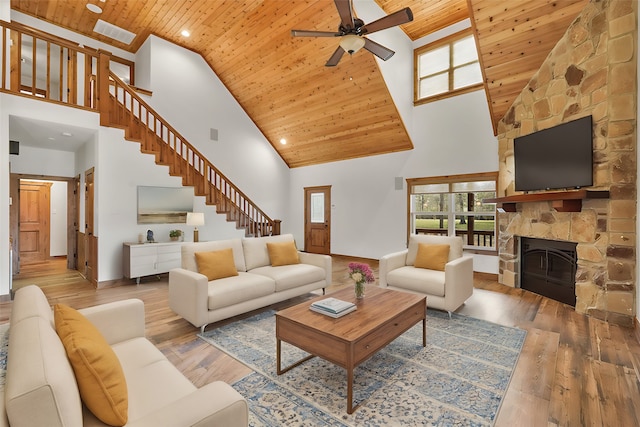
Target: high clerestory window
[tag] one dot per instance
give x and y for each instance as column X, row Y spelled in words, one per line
column 453, row 206
column 446, row 68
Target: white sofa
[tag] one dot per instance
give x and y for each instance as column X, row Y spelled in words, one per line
column 41, row 388
column 446, row 290
column 257, row 284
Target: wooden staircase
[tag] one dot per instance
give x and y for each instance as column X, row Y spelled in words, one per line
column 125, row 109
column 120, row 106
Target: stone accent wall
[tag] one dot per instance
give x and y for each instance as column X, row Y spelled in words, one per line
column 591, row 71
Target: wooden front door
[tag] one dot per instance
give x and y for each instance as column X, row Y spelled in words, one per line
column 317, row 220
column 35, row 211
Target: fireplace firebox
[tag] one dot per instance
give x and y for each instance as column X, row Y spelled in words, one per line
column 548, row 268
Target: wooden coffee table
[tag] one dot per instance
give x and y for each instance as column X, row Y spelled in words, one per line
column 382, row 316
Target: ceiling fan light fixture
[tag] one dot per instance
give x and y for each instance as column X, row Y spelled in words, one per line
column 351, row 43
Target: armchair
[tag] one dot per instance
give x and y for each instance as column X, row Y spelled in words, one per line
column 446, row 289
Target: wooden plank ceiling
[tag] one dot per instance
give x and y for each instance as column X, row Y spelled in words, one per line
column 325, row 114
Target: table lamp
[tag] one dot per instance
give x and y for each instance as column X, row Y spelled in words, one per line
column 195, row 219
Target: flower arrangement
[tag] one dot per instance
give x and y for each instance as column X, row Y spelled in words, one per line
column 360, row 273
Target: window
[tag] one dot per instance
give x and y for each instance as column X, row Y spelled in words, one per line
column 453, row 206
column 446, row 68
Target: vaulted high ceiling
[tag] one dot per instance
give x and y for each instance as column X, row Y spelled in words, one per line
column 281, row 81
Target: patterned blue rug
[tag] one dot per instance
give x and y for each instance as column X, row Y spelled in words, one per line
column 4, row 346
column 459, row 379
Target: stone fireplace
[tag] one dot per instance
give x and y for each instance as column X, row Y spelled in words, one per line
column 591, row 71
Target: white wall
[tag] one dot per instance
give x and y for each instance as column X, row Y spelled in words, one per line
column 58, row 245
column 192, row 98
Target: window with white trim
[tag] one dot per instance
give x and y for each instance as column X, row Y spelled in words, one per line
column 446, row 68
column 453, row 206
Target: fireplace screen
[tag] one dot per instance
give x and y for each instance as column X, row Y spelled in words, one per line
column 548, row 268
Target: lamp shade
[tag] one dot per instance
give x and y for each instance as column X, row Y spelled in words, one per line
column 195, row 218
column 351, row 43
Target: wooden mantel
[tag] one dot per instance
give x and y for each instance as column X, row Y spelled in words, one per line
column 561, row 201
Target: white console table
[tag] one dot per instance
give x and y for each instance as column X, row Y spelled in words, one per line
column 148, row 259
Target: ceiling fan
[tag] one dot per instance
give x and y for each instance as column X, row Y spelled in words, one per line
column 352, row 31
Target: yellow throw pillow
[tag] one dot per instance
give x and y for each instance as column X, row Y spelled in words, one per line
column 432, row 257
column 283, row 253
column 98, row 372
column 216, row 264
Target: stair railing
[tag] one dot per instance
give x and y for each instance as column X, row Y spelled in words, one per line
column 125, row 108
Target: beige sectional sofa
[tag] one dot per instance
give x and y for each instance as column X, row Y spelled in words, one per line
column 42, row 390
column 257, row 284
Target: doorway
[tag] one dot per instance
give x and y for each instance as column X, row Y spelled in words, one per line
column 317, row 220
column 27, row 240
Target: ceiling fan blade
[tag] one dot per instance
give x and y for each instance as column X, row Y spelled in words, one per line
column 335, row 58
column 305, row 33
column 396, row 18
column 377, row 49
column 345, row 12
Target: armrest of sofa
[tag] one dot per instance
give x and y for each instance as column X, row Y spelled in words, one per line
column 118, row 321
column 391, row 262
column 189, row 295
column 215, row 404
column 458, row 275
column 319, row 260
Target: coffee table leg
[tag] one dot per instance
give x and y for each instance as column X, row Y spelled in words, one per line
column 278, row 345
column 350, row 407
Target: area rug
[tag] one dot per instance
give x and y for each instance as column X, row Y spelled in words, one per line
column 458, row 379
column 4, row 349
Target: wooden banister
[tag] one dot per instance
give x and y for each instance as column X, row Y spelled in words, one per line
column 121, row 106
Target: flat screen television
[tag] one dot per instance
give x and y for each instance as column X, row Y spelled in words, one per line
column 560, row 157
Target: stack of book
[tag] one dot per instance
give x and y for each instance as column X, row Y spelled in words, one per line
column 333, row 307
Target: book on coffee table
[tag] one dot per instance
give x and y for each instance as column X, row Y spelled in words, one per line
column 330, row 314
column 333, row 305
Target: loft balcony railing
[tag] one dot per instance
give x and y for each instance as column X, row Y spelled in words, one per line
column 39, row 65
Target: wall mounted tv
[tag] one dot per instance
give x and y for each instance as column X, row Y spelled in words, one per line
column 560, row 157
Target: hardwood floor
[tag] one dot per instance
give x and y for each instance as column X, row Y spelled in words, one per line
column 573, row 370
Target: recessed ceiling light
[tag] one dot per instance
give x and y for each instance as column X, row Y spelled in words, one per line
column 185, row 33
column 67, row 134
column 94, row 8
column 283, row 141
column 51, row 138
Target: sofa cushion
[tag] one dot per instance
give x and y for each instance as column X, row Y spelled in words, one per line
column 283, row 253
column 421, row 280
column 189, row 249
column 455, row 245
column 216, row 264
column 153, row 381
column 39, row 375
column 255, row 249
column 98, row 372
column 291, row 276
column 243, row 287
column 432, row 257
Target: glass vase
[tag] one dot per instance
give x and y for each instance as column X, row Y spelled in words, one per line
column 359, row 289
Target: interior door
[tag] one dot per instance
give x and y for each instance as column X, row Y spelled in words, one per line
column 317, row 220
column 35, row 211
column 91, row 243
